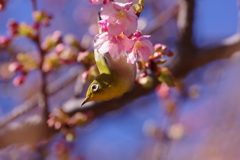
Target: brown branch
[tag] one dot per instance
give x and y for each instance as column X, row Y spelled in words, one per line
column 43, row 99
column 202, row 56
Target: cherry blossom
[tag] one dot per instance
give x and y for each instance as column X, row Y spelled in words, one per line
column 141, row 46
column 96, row 2
column 115, row 45
column 119, row 17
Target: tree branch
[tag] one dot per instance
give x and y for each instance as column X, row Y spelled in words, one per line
column 43, row 99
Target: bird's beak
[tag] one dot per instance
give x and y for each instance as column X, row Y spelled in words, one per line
column 85, row 100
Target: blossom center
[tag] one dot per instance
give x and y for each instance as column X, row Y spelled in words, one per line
column 121, row 14
column 138, row 45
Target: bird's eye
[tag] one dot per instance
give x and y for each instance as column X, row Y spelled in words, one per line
column 94, row 87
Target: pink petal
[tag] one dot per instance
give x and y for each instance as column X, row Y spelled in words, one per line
column 144, row 53
column 114, row 50
column 149, row 45
column 127, row 44
column 132, row 57
column 95, row 2
column 108, row 11
column 143, row 37
column 104, row 48
column 115, row 29
column 119, row 5
column 130, row 26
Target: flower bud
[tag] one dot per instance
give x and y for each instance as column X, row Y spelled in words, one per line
column 103, row 25
column 137, row 34
column 86, row 58
column 4, row 41
column 2, row 4
column 51, row 62
column 163, row 90
column 15, row 66
column 157, row 55
column 146, row 82
column 26, row 30
column 160, row 47
column 78, row 119
column 71, row 40
column 84, row 76
column 144, row 74
column 90, row 75
column 12, row 27
column 52, row 41
column 39, row 16
column 36, row 25
column 42, row 17
column 59, row 48
column 148, row 64
column 19, row 80
column 161, row 61
column 46, row 23
column 169, row 53
column 138, row 8
column 68, row 55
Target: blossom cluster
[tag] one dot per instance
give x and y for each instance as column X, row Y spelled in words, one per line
column 119, row 26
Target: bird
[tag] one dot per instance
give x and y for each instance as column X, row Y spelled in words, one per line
column 117, row 77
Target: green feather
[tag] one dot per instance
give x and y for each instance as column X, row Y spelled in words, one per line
column 101, row 63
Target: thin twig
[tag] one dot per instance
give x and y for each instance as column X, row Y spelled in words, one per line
column 43, row 99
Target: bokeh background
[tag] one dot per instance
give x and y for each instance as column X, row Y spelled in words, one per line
column 207, row 123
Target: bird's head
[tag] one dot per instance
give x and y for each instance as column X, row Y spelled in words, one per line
column 98, row 90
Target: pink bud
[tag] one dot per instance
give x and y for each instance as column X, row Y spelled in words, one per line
column 169, row 53
column 50, row 16
column 148, row 64
column 160, row 47
column 103, row 25
column 59, row 48
column 144, row 74
column 50, row 122
column 13, row 27
column 15, row 66
column 157, row 55
column 163, row 90
column 85, row 75
column 57, row 125
column 19, row 80
column 137, row 34
column 4, row 41
column 2, row 4
column 46, row 23
column 36, row 25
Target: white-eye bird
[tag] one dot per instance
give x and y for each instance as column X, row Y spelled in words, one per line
column 116, row 78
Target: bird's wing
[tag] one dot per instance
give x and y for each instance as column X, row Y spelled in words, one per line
column 101, row 63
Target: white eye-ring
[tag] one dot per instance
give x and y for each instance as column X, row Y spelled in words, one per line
column 94, row 87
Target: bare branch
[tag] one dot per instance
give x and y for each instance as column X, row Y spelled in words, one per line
column 28, row 131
